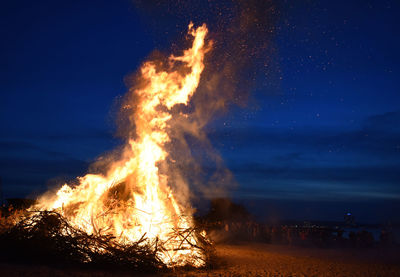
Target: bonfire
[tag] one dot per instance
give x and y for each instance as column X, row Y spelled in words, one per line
column 131, row 208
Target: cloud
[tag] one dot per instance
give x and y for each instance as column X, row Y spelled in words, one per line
column 70, row 134
column 9, row 146
column 40, row 167
column 377, row 138
column 356, row 175
column 81, row 145
column 23, row 176
column 330, row 184
column 310, row 163
column 387, row 122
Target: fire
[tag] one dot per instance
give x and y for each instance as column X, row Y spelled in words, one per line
column 133, row 199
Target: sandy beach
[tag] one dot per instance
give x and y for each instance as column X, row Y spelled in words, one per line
column 277, row 260
column 258, row 260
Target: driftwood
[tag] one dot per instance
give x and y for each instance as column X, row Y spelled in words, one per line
column 47, row 237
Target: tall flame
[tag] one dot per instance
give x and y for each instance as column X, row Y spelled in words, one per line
column 133, row 198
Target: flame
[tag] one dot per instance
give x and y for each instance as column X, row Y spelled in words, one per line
column 133, row 198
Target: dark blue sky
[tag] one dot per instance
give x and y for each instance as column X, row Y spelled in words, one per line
column 320, row 136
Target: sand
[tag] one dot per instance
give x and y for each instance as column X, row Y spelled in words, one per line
column 260, row 260
column 279, row 260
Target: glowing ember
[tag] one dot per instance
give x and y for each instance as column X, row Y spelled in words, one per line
column 133, row 198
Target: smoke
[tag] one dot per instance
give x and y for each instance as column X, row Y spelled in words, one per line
column 241, row 59
column 243, row 50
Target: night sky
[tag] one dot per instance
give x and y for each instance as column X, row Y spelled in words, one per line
column 319, row 136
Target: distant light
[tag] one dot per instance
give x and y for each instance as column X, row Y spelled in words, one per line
column 348, row 213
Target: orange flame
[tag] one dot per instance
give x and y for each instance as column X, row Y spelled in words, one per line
column 133, row 198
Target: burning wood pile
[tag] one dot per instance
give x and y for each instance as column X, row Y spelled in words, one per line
column 48, row 237
column 129, row 215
